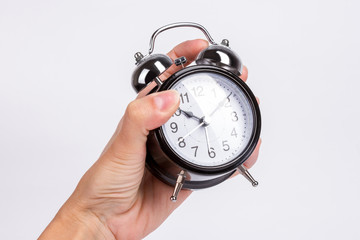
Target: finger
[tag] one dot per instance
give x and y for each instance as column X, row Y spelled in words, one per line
column 141, row 116
column 189, row 49
column 254, row 156
column 146, row 89
column 244, row 75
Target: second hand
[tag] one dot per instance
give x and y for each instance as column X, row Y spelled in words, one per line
column 207, row 139
column 189, row 133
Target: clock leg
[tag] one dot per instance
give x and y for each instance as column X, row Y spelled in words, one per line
column 178, row 186
column 243, row 170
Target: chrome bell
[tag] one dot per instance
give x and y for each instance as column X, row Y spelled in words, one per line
column 222, row 56
column 149, row 68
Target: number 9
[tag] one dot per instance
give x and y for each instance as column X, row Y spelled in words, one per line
column 174, row 127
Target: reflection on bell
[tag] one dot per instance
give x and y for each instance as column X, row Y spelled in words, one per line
column 221, row 56
column 148, row 68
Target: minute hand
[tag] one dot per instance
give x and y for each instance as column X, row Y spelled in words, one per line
column 220, row 105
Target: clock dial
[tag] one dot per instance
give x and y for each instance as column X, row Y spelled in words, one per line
column 214, row 122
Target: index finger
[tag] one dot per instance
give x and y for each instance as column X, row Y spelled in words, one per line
column 188, row 49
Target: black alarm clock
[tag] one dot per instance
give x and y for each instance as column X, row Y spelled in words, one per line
column 217, row 125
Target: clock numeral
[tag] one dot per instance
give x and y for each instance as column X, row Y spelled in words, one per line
column 177, row 113
column 233, row 133
column 198, row 91
column 174, row 127
column 226, row 147
column 184, row 97
column 212, row 153
column 227, row 103
column 234, row 116
column 196, row 148
column 181, row 142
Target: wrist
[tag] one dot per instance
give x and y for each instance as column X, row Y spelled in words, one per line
column 72, row 222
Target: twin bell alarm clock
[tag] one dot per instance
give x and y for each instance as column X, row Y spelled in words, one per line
column 217, row 125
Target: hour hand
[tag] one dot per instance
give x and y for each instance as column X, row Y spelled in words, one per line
column 189, row 114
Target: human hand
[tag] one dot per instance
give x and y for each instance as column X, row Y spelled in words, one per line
column 118, row 198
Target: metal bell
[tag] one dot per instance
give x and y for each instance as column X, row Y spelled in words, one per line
column 148, row 68
column 222, row 56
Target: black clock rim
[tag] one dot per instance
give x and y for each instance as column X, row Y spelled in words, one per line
column 254, row 136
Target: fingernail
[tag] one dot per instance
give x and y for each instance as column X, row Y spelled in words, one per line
column 167, row 99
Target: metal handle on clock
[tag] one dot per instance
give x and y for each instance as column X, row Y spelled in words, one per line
column 176, row 25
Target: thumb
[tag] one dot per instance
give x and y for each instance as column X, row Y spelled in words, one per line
column 141, row 116
column 119, row 171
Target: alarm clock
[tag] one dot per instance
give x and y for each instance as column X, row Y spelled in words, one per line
column 217, row 125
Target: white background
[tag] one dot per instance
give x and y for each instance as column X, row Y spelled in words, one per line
column 65, row 69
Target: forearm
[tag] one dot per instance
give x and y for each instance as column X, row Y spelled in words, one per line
column 73, row 224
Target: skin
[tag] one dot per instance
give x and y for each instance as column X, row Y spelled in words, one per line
column 117, row 198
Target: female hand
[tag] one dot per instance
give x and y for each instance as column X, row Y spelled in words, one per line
column 118, row 198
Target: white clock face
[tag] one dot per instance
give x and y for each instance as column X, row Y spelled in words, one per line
column 214, row 122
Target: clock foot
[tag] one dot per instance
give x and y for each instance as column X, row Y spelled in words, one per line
column 178, row 186
column 243, row 170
